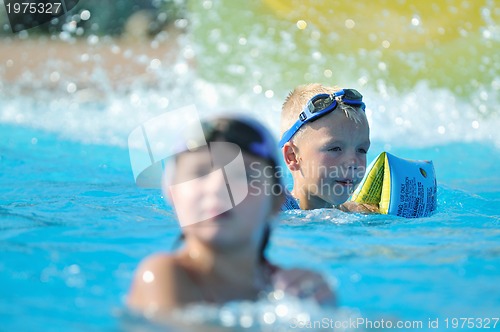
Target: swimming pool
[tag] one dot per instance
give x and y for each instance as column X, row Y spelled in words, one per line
column 74, row 225
column 74, row 230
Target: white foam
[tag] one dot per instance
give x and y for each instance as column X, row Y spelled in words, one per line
column 422, row 117
column 429, row 117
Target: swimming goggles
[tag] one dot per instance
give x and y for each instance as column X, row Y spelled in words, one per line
column 320, row 105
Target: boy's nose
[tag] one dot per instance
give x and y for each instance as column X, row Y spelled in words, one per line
column 216, row 183
column 216, row 195
column 352, row 161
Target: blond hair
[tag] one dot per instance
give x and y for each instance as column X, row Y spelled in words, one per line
column 297, row 99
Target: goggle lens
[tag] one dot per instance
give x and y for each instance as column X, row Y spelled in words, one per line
column 320, row 104
column 352, row 94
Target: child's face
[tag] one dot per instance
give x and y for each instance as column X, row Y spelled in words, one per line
column 209, row 211
column 332, row 158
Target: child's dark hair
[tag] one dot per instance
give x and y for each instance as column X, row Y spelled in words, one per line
column 241, row 133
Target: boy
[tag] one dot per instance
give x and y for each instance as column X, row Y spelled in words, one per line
column 223, row 258
column 324, row 142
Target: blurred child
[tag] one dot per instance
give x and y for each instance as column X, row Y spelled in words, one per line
column 225, row 232
column 325, row 139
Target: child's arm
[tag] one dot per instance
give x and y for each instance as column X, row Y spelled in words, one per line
column 351, row 206
column 305, row 284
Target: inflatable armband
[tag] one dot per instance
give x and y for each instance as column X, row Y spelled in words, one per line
column 401, row 187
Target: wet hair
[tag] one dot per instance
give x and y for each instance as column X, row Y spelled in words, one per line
column 297, row 100
column 264, row 243
column 247, row 134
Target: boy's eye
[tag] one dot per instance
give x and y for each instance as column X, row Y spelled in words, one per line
column 335, row 149
column 197, row 172
column 363, row 150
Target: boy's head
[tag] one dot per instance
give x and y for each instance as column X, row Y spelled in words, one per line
column 327, row 156
column 232, row 174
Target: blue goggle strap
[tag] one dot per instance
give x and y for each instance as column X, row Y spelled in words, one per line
column 306, row 115
column 290, row 132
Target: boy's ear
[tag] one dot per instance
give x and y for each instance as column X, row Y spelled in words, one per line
column 290, row 156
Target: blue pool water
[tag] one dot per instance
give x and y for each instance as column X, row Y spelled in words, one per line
column 74, row 226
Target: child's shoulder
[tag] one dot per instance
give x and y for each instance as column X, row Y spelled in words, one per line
column 161, row 278
column 158, row 264
column 164, row 267
column 304, row 283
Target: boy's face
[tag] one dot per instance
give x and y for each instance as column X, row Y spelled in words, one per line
column 332, row 158
column 202, row 201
